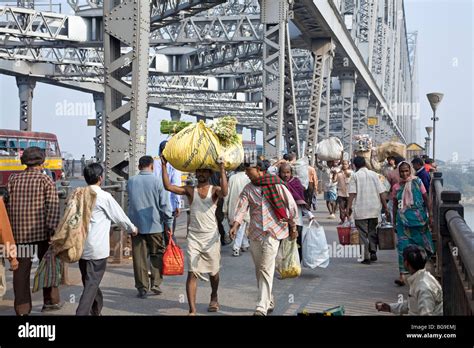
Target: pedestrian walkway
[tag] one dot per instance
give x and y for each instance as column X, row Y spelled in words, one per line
column 345, row 282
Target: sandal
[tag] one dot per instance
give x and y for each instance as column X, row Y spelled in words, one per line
column 213, row 307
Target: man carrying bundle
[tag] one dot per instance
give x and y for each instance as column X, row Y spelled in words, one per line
column 273, row 217
column 204, row 247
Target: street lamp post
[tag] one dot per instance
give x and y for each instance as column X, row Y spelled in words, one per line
column 428, row 139
column 427, row 146
column 434, row 99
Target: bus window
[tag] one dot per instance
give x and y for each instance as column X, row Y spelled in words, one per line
column 23, row 144
column 52, row 149
column 3, row 147
column 13, row 147
column 38, row 143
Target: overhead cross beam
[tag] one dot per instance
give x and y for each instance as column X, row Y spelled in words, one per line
column 166, row 12
column 19, row 22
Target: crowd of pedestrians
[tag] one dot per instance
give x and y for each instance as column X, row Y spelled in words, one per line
column 263, row 203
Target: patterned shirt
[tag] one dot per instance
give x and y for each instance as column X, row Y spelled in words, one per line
column 263, row 220
column 33, row 206
column 367, row 187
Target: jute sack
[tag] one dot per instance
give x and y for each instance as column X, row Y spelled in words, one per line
column 197, row 147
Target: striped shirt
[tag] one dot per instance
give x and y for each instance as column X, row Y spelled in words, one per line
column 367, row 187
column 33, row 206
column 263, row 220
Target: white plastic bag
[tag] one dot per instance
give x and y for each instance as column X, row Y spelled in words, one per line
column 300, row 170
column 329, row 149
column 287, row 261
column 315, row 246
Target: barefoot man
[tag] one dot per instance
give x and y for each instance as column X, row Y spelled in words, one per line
column 204, row 246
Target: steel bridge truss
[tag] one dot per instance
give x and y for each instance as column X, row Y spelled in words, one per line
column 214, row 57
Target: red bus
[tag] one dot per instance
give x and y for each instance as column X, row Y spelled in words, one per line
column 12, row 145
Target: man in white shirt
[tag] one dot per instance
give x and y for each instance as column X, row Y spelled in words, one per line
column 425, row 296
column 237, row 182
column 366, row 196
column 96, row 248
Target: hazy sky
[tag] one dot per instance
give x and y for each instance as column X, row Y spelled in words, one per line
column 445, row 64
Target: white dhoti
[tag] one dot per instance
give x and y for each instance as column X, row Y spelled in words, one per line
column 203, row 253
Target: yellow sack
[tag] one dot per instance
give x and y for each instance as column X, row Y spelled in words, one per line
column 197, row 147
column 287, row 261
column 370, row 160
column 391, row 148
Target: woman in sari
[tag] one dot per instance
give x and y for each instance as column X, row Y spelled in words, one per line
column 297, row 191
column 7, row 245
column 410, row 209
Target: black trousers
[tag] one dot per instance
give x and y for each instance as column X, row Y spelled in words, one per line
column 299, row 241
column 220, row 219
column 144, row 247
column 92, row 272
column 21, row 282
column 368, row 236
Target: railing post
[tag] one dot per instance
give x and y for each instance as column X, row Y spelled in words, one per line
column 450, row 201
column 117, row 234
column 436, row 185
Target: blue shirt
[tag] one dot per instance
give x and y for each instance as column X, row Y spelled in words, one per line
column 425, row 178
column 148, row 203
column 175, row 179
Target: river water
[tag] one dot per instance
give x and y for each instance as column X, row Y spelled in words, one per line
column 469, row 215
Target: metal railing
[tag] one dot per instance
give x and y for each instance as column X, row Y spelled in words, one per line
column 455, row 249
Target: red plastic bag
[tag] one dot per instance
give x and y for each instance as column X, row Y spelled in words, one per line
column 173, row 259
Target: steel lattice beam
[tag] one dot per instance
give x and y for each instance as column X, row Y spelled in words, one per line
column 99, row 127
column 290, row 120
column 165, row 12
column 18, row 22
column 206, row 30
column 226, row 42
column 347, row 80
column 125, row 23
column 322, row 52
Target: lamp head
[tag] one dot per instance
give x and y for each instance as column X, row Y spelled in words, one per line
column 435, row 99
column 429, row 130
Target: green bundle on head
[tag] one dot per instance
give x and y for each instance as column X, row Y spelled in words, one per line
column 172, row 127
column 225, row 129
